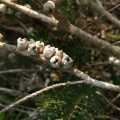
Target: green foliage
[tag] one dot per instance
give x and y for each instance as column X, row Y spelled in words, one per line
column 12, row 116
column 69, row 8
column 69, row 103
column 26, row 63
column 24, row 1
column 113, row 36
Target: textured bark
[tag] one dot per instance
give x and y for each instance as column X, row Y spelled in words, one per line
column 65, row 25
column 74, row 71
column 31, row 13
column 96, row 42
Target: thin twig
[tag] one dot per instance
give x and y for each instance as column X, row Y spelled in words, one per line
column 49, row 88
column 105, row 117
column 6, row 102
column 74, row 71
column 37, row 93
column 10, row 91
column 18, row 70
column 17, row 109
column 14, row 29
column 31, row 12
column 96, row 5
column 110, row 103
column 100, row 17
column 113, row 100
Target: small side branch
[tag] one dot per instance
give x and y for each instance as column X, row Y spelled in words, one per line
column 99, row 7
column 110, row 103
column 91, row 82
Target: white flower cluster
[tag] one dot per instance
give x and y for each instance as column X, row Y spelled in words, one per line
column 56, row 57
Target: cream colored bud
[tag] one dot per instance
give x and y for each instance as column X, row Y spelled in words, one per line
column 18, row 15
column 53, row 75
column 12, row 57
column 3, row 8
column 47, row 81
column 40, row 46
column 31, row 41
column 117, row 62
column 27, row 6
column 30, row 30
column 58, row 52
column 32, row 49
column 67, row 62
column 48, row 51
column 55, row 61
column 78, row 2
column 1, row 37
column 10, row 11
column 22, row 44
column 111, row 59
column 49, row 7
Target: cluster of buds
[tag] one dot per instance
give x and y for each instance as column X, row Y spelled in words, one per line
column 57, row 58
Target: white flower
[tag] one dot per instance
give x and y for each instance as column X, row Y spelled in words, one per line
column 32, row 49
column 67, row 62
column 3, row 8
column 22, row 44
column 58, row 52
column 55, row 61
column 117, row 62
column 40, row 46
column 31, row 41
column 111, row 59
column 49, row 7
column 48, row 51
column 30, row 30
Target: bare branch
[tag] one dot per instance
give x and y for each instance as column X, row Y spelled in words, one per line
column 65, row 25
column 99, row 7
column 18, row 70
column 35, row 94
column 31, row 13
column 73, row 71
column 90, row 82
column 96, row 5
